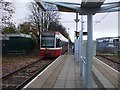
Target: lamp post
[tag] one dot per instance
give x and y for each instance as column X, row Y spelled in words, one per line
column 76, row 20
column 68, row 39
column 76, row 39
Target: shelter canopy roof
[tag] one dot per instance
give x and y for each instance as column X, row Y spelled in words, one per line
column 83, row 8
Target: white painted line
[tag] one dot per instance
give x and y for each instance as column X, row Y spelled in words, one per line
column 40, row 73
column 107, row 65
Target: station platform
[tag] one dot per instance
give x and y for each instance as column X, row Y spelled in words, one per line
column 64, row 72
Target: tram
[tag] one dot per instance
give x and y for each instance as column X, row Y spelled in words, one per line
column 53, row 44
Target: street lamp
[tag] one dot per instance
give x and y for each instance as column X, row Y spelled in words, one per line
column 76, row 20
column 68, row 39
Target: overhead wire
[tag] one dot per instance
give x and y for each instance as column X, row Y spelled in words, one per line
column 102, row 18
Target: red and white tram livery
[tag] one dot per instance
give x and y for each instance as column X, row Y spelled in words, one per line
column 53, row 44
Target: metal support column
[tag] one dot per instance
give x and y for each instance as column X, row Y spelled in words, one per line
column 81, row 40
column 89, row 51
column 76, row 49
column 76, row 20
column 79, row 48
column 76, row 46
column 68, row 41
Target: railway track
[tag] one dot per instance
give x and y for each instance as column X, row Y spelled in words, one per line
column 19, row 78
column 109, row 58
column 114, row 63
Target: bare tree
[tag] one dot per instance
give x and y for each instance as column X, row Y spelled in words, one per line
column 6, row 11
column 50, row 17
column 41, row 18
column 35, row 16
column 36, row 19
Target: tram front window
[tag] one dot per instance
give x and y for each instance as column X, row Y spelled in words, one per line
column 47, row 42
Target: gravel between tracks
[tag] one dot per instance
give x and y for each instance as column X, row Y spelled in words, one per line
column 13, row 63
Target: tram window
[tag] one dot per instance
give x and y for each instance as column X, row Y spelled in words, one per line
column 64, row 43
column 47, row 42
column 58, row 42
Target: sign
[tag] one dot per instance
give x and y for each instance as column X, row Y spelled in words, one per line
column 76, row 34
column 85, row 33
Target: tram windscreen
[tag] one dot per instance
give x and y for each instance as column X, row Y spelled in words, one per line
column 47, row 42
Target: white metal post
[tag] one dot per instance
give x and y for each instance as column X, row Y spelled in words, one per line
column 68, row 40
column 77, row 52
column 76, row 20
column 81, row 40
column 89, row 51
column 79, row 48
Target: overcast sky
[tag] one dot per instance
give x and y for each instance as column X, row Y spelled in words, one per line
column 107, row 27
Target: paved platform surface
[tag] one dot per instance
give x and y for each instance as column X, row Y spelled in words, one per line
column 107, row 76
column 65, row 73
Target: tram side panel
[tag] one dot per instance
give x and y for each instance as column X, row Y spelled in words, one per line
column 51, row 52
